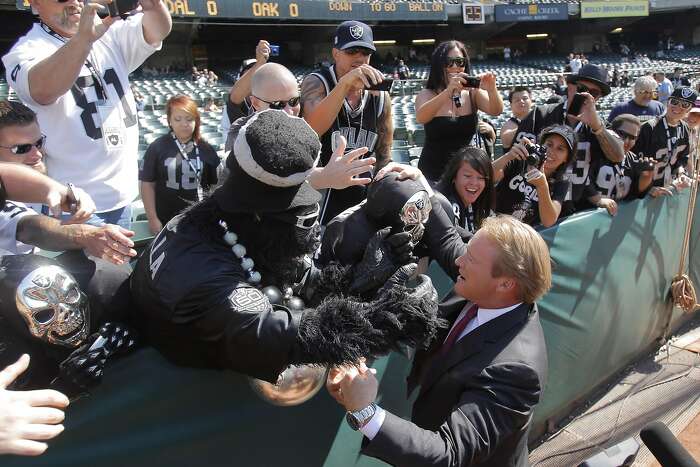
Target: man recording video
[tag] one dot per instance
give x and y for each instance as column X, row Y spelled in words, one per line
column 336, row 101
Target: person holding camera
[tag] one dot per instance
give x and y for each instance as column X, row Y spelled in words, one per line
column 532, row 183
column 578, row 111
column 349, row 98
column 448, row 106
column 72, row 69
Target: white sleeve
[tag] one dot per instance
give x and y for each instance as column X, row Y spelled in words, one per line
column 127, row 35
column 372, row 427
column 10, row 215
column 19, row 61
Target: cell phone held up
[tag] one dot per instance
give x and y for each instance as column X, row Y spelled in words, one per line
column 385, row 85
column 274, row 50
column 472, row 82
column 122, row 7
column 576, row 104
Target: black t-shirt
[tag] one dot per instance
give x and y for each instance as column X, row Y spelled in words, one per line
column 518, row 198
column 177, row 181
column 588, row 153
column 653, row 141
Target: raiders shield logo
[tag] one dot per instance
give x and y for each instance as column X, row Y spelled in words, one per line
column 686, row 93
column 249, row 299
column 356, row 31
column 113, row 139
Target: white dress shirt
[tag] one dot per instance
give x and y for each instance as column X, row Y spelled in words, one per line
column 483, row 316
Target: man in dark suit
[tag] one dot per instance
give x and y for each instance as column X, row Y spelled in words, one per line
column 480, row 383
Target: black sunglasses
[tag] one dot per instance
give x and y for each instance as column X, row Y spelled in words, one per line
column 624, row 135
column 25, row 148
column 685, row 105
column 593, row 92
column 456, row 61
column 358, row 50
column 304, row 221
column 279, row 105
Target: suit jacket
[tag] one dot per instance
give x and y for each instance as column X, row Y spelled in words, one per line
column 475, row 404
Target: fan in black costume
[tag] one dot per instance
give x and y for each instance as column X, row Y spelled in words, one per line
column 199, row 283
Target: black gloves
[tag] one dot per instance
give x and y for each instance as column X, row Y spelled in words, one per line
column 84, row 366
column 383, row 255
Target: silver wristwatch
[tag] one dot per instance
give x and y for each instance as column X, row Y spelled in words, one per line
column 359, row 418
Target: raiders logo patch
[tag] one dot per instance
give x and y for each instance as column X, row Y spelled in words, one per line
column 249, row 299
column 356, row 31
column 686, row 93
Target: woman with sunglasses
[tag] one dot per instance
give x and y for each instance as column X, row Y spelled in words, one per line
column 449, row 104
column 178, row 167
column 467, row 187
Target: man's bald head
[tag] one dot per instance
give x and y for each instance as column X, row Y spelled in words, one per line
column 273, row 82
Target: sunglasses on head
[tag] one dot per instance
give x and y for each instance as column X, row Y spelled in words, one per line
column 304, row 221
column 456, row 61
column 279, row 105
column 25, row 148
column 624, row 135
column 593, row 92
column 685, row 105
column 358, row 50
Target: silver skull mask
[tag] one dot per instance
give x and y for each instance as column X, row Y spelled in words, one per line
column 53, row 306
column 414, row 214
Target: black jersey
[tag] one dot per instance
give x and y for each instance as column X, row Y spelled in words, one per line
column 178, row 180
column 198, row 309
column 668, row 145
column 359, row 127
column 588, row 154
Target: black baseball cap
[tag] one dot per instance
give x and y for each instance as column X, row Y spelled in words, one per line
column 564, row 131
column 685, row 93
column 353, row 34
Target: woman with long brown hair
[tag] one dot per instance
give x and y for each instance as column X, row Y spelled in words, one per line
column 449, row 104
column 178, row 167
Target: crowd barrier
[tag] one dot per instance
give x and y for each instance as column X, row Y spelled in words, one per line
column 608, row 306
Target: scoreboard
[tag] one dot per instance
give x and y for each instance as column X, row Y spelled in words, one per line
column 333, row 10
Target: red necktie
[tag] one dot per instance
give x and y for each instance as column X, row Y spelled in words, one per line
column 458, row 329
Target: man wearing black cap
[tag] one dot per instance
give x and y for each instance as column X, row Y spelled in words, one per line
column 198, row 284
column 335, row 102
column 595, row 141
column 667, row 140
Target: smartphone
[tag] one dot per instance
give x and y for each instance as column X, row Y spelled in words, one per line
column 385, row 85
column 576, row 104
column 472, row 82
column 274, row 50
column 122, row 7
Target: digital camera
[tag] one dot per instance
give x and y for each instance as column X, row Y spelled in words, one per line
column 536, row 155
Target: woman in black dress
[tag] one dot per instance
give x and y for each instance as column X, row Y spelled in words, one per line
column 466, row 189
column 448, row 107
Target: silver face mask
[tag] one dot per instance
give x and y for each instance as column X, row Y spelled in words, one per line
column 414, row 214
column 53, row 306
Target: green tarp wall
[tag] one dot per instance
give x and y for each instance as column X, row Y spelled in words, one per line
column 606, row 308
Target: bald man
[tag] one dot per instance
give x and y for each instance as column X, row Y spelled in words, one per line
column 273, row 86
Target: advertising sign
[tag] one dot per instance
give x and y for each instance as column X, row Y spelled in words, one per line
column 615, row 8
column 532, row 12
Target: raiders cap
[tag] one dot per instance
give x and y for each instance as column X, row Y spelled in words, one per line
column 353, row 34
column 685, row 93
